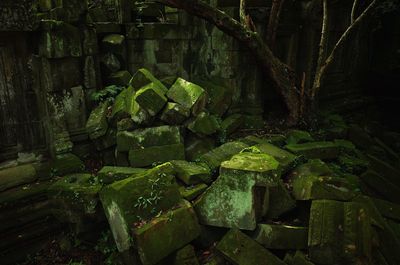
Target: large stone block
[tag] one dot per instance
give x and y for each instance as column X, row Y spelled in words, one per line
column 156, row 155
column 215, row 157
column 239, row 197
column 97, row 124
column 339, row 232
column 191, row 173
column 174, row 113
column 239, row 249
column 15, row 176
column 151, row 98
column 188, row 95
column 138, row 199
column 165, row 234
column 149, row 137
column 110, row 174
column 204, row 124
column 314, row 150
column 281, row 236
column 143, row 77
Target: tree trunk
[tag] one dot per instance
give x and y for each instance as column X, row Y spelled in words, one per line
column 282, row 76
column 273, row 22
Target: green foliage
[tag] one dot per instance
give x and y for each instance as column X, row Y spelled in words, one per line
column 108, row 93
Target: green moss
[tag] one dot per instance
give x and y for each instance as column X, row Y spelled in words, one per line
column 174, row 113
column 281, row 236
column 151, row 98
column 191, row 173
column 165, row 234
column 189, row 95
column 143, row 77
column 109, row 174
column 97, row 125
column 156, row 155
column 192, row 192
column 315, row 150
column 240, row 249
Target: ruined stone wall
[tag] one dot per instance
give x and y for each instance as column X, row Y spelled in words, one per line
column 71, row 60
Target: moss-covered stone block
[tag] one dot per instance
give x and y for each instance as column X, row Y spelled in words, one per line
column 74, row 197
column 204, row 124
column 322, row 187
column 186, row 256
column 189, row 95
column 126, row 106
column 298, row 137
column 239, row 197
column 106, row 141
column 315, row 150
column 239, row 249
column 96, row 125
column 278, row 140
column 191, row 173
column 286, row 159
column 280, row 201
column 339, row 232
column 196, row 146
column 253, row 122
column 151, row 98
column 230, row 124
column 66, row 164
column 148, row 137
column 110, row 174
column 192, row 192
column 138, row 199
column 281, row 236
column 148, row 156
column 165, row 234
column 120, row 78
column 299, row 258
column 215, row 157
column 174, row 113
column 220, row 97
column 143, row 77
column 381, row 186
column 114, row 43
column 15, row 176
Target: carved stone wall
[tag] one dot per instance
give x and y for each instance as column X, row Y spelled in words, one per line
column 18, row 15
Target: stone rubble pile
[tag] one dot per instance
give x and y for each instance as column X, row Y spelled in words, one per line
column 326, row 198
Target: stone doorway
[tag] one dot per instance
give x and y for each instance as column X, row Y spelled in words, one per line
column 21, row 129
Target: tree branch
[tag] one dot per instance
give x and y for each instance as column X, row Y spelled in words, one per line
column 273, row 22
column 281, row 75
column 242, row 12
column 339, row 44
column 353, row 11
column 324, row 40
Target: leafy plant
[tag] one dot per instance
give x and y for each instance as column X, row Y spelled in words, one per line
column 108, row 93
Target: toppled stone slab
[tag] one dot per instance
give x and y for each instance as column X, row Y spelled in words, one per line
column 240, row 249
column 231, row 123
column 114, row 43
column 66, row 164
column 314, row 150
column 253, row 122
column 97, row 125
column 215, row 157
column 156, row 155
column 220, row 97
column 386, row 170
column 74, row 196
column 197, row 146
column 15, row 176
column 286, row 159
column 339, row 232
column 120, row 78
column 174, row 113
column 274, row 139
column 106, row 141
column 314, row 167
column 322, row 187
column 192, row 192
column 143, row 77
column 189, row 95
column 239, row 197
column 387, row 209
column 204, row 124
column 298, row 137
column 165, row 234
column 297, row 259
column 280, row 201
column 138, row 199
column 380, row 185
column 110, row 174
column 151, row 98
column 191, row 173
column 186, row 256
column 148, row 137
column 281, row 236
